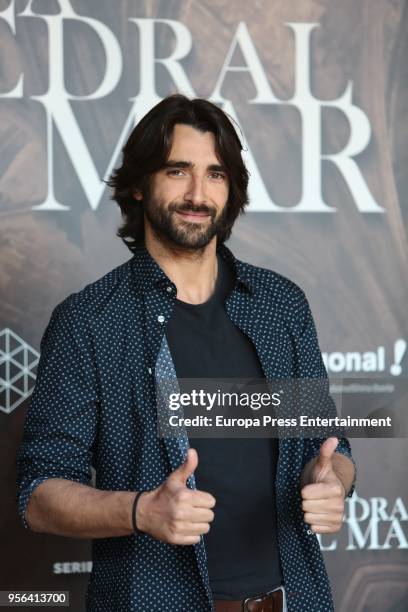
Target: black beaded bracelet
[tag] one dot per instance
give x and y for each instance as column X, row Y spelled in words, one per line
column 137, row 497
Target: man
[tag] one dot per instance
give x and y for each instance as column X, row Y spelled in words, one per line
column 243, row 528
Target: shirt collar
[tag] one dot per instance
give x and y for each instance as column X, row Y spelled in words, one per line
column 147, row 272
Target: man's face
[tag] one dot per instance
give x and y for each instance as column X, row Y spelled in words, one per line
column 187, row 198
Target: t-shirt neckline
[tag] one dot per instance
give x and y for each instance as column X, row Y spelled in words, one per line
column 215, row 293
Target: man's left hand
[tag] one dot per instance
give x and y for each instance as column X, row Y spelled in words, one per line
column 323, row 498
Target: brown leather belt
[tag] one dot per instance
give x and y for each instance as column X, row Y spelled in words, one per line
column 273, row 602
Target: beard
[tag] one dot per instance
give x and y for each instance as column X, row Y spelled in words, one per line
column 178, row 233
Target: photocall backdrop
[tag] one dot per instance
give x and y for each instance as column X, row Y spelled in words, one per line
column 319, row 89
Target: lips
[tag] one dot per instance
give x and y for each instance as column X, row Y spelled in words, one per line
column 189, row 215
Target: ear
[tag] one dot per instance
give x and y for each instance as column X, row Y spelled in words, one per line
column 137, row 194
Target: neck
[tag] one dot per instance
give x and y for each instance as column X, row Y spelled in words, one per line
column 194, row 272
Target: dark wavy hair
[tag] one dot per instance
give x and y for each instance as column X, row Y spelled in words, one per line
column 148, row 147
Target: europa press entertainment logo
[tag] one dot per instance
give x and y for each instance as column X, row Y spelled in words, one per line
column 18, row 361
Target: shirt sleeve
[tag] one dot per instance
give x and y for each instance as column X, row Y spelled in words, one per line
column 60, row 426
column 310, row 367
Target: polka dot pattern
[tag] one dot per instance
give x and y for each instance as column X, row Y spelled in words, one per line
column 96, row 402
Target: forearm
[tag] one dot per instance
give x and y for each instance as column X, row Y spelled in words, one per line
column 343, row 467
column 67, row 508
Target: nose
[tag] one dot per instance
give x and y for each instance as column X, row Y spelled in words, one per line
column 195, row 192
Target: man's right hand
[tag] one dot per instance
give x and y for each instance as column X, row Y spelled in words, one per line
column 174, row 513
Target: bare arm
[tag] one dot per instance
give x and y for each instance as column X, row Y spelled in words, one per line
column 67, row 508
column 171, row 512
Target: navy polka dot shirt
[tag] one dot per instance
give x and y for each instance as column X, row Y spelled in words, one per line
column 96, row 403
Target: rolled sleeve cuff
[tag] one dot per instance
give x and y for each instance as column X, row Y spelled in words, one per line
column 25, row 498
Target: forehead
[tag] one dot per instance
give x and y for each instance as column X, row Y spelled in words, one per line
column 189, row 144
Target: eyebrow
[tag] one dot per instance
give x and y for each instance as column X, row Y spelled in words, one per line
column 173, row 163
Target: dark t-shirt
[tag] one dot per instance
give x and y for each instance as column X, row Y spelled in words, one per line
column 241, row 546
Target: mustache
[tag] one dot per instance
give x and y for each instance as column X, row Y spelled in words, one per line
column 188, row 207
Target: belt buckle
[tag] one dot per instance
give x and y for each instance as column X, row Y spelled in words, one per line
column 256, row 598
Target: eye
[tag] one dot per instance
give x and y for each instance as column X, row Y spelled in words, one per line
column 218, row 175
column 173, row 172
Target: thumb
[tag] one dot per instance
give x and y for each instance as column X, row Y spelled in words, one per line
column 324, row 461
column 182, row 473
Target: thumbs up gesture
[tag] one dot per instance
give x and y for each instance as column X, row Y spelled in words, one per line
column 323, row 498
column 174, row 513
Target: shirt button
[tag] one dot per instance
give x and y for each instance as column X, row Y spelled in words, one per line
column 169, row 289
column 160, row 319
column 149, row 370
